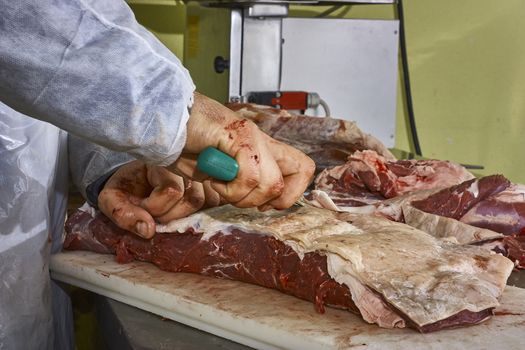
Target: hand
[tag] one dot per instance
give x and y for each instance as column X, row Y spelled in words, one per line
column 137, row 195
column 271, row 174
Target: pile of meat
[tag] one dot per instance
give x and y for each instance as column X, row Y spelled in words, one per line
column 369, row 178
column 438, row 197
column 403, row 243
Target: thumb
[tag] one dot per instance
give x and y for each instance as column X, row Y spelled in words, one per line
column 116, row 205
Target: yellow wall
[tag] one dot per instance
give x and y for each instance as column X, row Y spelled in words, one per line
column 467, row 63
column 165, row 19
column 468, row 79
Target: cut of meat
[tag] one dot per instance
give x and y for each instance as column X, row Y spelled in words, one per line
column 222, row 255
column 514, row 248
column 233, row 254
column 392, row 274
column 328, row 141
column 488, row 209
column 368, row 178
column 456, row 201
column 502, row 212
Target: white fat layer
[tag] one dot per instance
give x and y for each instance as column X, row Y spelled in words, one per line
column 203, row 223
column 87, row 209
column 424, row 277
column 513, row 194
column 322, row 200
column 443, row 227
column 365, row 209
column 474, row 189
column 209, row 226
column 372, row 307
column 211, row 221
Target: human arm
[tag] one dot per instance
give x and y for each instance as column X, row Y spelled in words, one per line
column 89, row 68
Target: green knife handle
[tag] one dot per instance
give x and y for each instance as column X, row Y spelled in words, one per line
column 217, row 164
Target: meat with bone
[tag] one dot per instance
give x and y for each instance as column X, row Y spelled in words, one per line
column 328, row 141
column 392, row 274
column 368, row 178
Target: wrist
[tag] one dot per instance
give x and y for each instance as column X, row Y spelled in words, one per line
column 94, row 188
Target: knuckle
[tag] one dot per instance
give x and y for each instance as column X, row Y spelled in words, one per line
column 251, row 126
column 155, row 211
column 103, row 194
column 197, row 201
column 251, row 181
column 104, row 198
column 117, row 213
column 309, row 167
column 276, row 188
column 235, row 192
column 172, row 192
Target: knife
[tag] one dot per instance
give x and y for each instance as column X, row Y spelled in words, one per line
column 217, row 164
column 221, row 166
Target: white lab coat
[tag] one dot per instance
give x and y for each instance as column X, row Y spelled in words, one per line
column 33, row 198
column 89, row 68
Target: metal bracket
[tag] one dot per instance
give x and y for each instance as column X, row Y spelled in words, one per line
column 264, row 10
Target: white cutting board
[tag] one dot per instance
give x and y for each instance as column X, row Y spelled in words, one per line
column 264, row 318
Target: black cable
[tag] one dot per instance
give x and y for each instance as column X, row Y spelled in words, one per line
column 406, row 79
column 329, row 11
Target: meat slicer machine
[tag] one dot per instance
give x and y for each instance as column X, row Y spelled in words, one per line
column 253, row 51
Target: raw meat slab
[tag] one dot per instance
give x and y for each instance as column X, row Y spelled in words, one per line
column 266, row 319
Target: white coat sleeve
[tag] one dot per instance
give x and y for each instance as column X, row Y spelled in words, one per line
column 89, row 68
column 89, row 162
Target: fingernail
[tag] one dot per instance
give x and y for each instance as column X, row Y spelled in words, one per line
column 142, row 228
